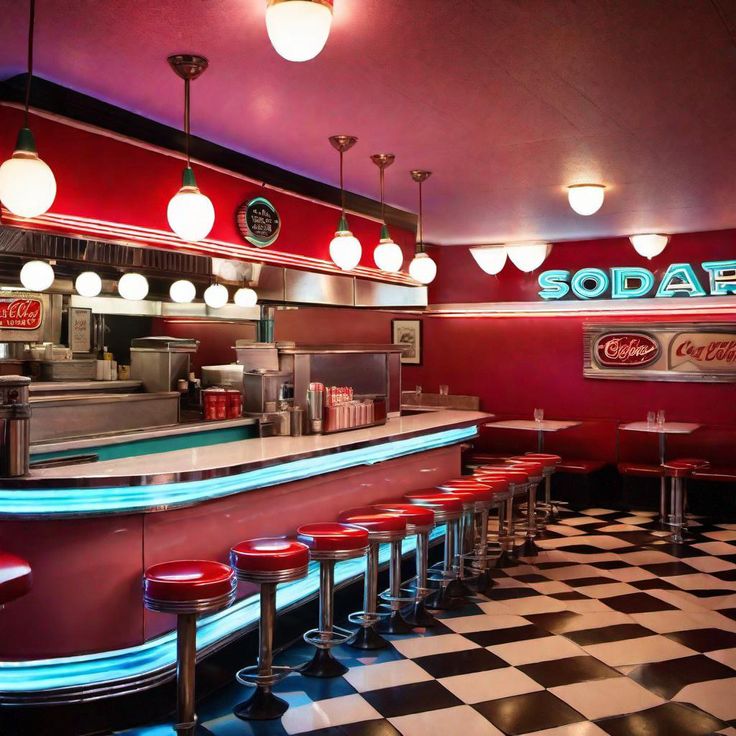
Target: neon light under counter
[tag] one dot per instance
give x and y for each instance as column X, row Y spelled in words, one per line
column 130, row 499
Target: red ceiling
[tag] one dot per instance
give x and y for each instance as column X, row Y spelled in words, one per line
column 507, row 101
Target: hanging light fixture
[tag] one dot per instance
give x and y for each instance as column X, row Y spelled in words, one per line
column 422, row 268
column 216, row 296
column 345, row 248
column 387, row 254
column 298, row 29
column 528, row 257
column 37, row 275
column 190, row 213
column 133, row 286
column 88, row 284
column 649, row 244
column 245, row 297
column 182, row 291
column 586, row 199
column 491, row 258
column 27, row 184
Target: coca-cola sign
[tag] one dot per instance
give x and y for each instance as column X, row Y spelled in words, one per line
column 20, row 313
column 706, row 351
column 626, row 349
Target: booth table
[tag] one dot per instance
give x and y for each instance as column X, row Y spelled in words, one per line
column 531, row 425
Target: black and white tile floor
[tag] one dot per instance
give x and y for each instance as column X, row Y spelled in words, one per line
column 610, row 630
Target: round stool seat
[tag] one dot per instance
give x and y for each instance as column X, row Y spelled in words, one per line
column 470, row 482
column 682, row 468
column 332, row 541
column 517, row 478
column 446, row 507
column 188, row 586
column 269, row 560
column 497, row 484
column 417, row 518
column 382, row 526
column 546, row 458
column 15, row 577
column 696, row 462
column 533, row 469
column 473, row 499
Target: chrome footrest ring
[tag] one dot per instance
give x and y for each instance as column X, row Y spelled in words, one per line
column 250, row 676
column 366, row 618
column 327, row 639
column 386, row 597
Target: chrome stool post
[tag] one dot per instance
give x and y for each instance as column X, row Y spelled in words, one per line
column 678, row 471
column 535, row 473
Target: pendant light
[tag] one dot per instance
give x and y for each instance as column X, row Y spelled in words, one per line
column 182, row 291
column 649, row 244
column 88, row 284
column 586, row 199
column 298, row 29
column 190, row 213
column 422, row 268
column 345, row 248
column 528, row 257
column 245, row 297
column 491, row 258
column 37, row 275
column 387, row 254
column 133, row 286
column 216, row 296
column 27, row 184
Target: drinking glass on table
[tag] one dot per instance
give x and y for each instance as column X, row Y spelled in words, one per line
column 651, row 418
column 660, row 417
column 539, row 415
column 418, row 391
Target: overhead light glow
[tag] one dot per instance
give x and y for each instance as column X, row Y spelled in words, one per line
column 27, row 184
column 182, row 291
column 190, row 213
column 422, row 268
column 649, row 244
column 133, row 286
column 528, row 257
column 88, row 284
column 298, row 29
column 245, row 297
column 216, row 296
column 388, row 256
column 491, row 258
column 37, row 275
column 586, row 199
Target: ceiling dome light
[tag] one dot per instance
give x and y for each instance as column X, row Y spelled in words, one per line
column 88, row 284
column 298, row 29
column 491, row 258
column 422, row 268
column 528, row 257
column 649, row 244
column 37, row 275
column 345, row 248
column 133, row 286
column 586, row 199
column 182, row 291
column 245, row 297
column 216, row 296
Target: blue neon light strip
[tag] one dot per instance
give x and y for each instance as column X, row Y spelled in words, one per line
column 61, row 501
column 105, row 667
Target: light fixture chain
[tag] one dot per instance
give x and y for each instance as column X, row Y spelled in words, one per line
column 383, row 207
column 421, row 230
column 31, row 25
column 342, row 186
column 186, row 120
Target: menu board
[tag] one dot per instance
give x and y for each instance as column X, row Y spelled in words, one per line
column 80, row 330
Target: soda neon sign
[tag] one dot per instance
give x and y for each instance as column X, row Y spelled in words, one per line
column 635, row 282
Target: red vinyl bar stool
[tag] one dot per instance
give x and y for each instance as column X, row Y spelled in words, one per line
column 382, row 527
column 15, row 578
column 518, row 481
column 550, row 462
column 266, row 562
column 447, row 510
column 678, row 471
column 535, row 472
column 419, row 522
column 187, row 588
column 328, row 543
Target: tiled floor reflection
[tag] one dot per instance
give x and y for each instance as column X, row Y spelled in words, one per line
column 611, row 630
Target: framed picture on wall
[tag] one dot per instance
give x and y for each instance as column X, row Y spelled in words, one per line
column 80, row 330
column 408, row 333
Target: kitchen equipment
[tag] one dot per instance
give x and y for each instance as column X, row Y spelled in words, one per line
column 255, row 356
column 15, row 425
column 159, row 362
column 315, row 407
column 297, row 421
column 82, row 369
column 261, row 387
column 228, row 376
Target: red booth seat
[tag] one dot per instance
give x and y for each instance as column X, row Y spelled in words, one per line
column 580, row 466
column 643, row 470
column 717, row 474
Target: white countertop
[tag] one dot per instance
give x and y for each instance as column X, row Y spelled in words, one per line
column 530, row 425
column 666, row 428
column 260, row 450
column 45, row 386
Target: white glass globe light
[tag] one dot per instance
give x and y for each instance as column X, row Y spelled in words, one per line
column 345, row 250
column 298, row 29
column 586, row 199
column 37, row 275
column 216, row 296
column 649, row 244
column 133, row 286
column 491, row 258
column 388, row 256
column 88, row 284
column 528, row 256
column 182, row 291
column 27, row 184
column 245, row 297
column 422, row 268
column 190, row 214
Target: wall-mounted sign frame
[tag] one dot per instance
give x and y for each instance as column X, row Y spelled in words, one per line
column 408, row 334
column 258, row 222
column 661, row 351
column 80, row 329
column 22, row 315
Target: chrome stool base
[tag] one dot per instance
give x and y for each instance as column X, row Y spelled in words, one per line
column 529, row 548
column 263, row 705
column 323, row 664
column 418, row 616
column 368, row 639
column 394, row 623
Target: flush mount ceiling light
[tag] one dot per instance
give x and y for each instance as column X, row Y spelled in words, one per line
column 133, row 286
column 422, row 268
column 528, row 257
column 245, row 297
column 216, row 296
column 190, row 213
column 88, row 284
column 37, row 275
column 182, row 291
column 387, row 254
column 586, row 199
column 27, row 184
column 649, row 244
column 345, row 248
column 491, row 258
column 298, row 29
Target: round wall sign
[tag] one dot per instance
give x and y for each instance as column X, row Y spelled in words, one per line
column 258, row 221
